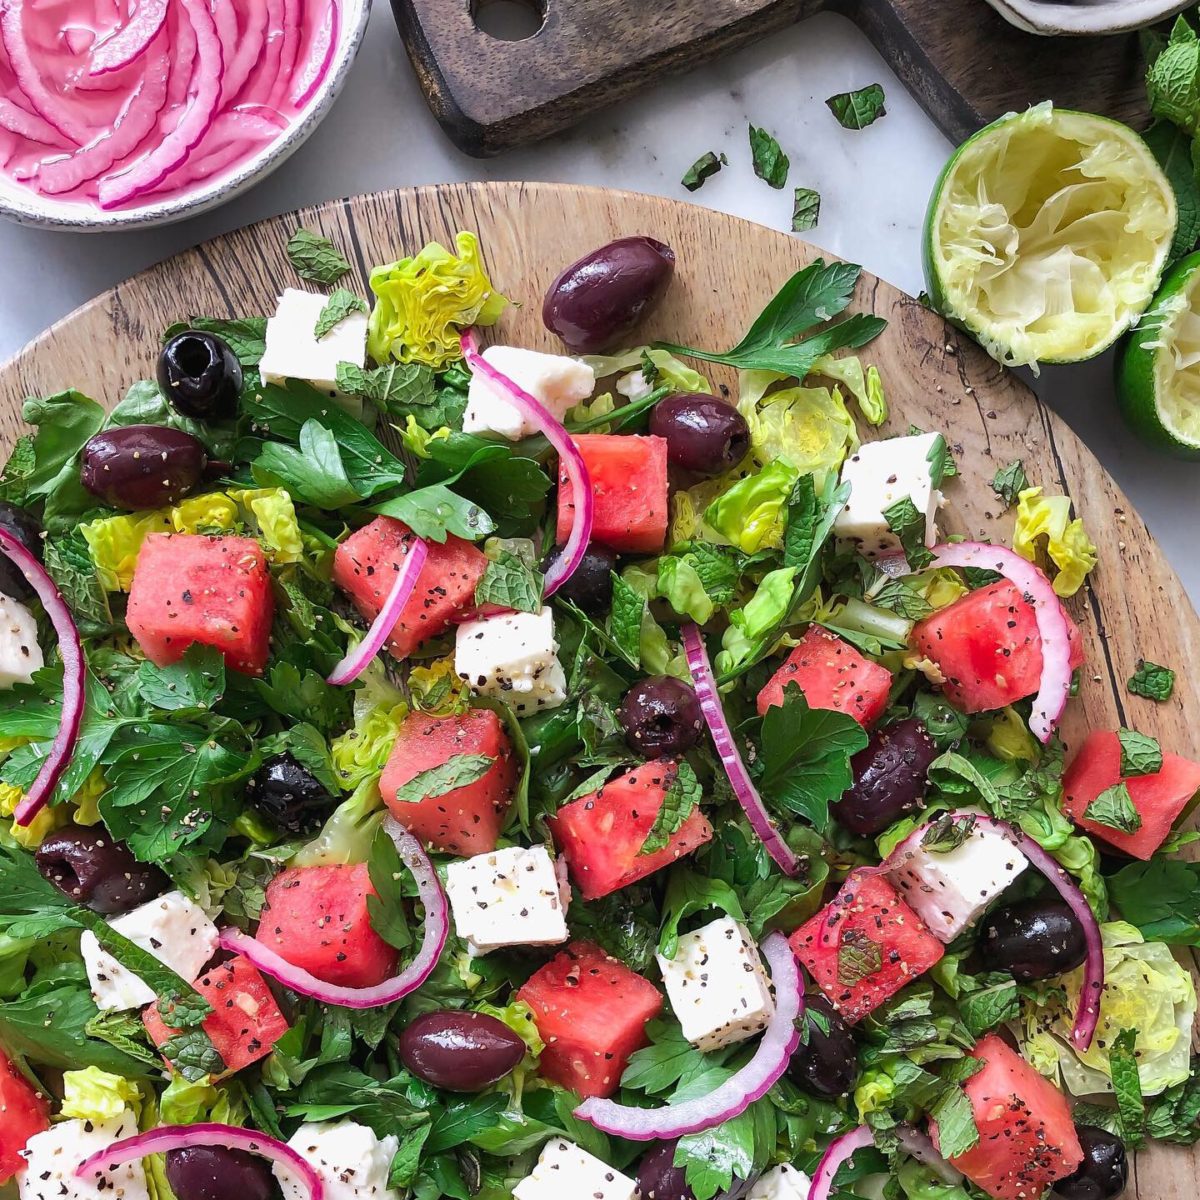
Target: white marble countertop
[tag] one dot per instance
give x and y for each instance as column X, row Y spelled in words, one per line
column 874, row 186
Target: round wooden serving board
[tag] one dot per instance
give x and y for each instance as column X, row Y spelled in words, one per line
column 1134, row 605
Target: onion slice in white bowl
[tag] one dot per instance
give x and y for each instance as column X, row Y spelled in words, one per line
column 358, row 659
column 740, row 1090
column 839, row 1151
column 74, row 679
column 532, row 409
column 209, row 1133
column 731, row 759
column 132, row 39
column 433, row 941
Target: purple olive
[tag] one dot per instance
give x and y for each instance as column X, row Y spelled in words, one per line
column 826, row 1063
column 142, row 466
column 889, row 778
column 24, row 527
column 658, row 1178
column 460, row 1051
column 703, row 434
column 597, row 302
column 661, row 717
column 86, row 864
column 1104, row 1172
column 590, row 585
column 218, row 1173
column 1032, row 939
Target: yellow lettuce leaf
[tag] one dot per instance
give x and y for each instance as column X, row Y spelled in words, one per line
column 1066, row 542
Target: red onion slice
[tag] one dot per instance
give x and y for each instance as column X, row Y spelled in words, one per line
column 132, row 40
column 251, row 45
column 28, row 125
column 437, row 930
column 357, row 661
column 262, row 79
column 722, row 736
column 839, row 1151
column 741, row 1089
column 289, row 52
column 320, row 54
column 74, row 682
column 1055, row 684
column 532, row 409
column 182, row 1137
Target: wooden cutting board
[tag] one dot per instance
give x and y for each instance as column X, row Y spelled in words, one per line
column 963, row 62
column 1133, row 606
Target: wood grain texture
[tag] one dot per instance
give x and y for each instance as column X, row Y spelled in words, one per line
column 1133, row 606
column 962, row 61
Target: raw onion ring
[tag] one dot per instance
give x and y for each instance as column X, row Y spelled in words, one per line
column 839, row 1151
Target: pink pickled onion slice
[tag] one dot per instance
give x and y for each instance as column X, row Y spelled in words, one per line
column 79, row 39
column 262, row 79
column 320, row 54
column 252, row 44
column 839, row 1151
column 437, row 929
column 741, row 1089
column 920, row 1146
column 722, row 736
column 532, row 409
column 225, row 19
column 198, row 117
column 182, row 1137
column 28, row 125
column 1055, row 684
column 132, row 40
column 71, row 652
column 41, row 99
column 289, row 51
column 357, row 661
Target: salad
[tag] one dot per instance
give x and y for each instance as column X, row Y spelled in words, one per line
column 429, row 770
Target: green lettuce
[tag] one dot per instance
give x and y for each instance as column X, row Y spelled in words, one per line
column 750, row 515
column 95, row 1095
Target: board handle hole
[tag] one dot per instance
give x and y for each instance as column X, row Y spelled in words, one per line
column 509, row 20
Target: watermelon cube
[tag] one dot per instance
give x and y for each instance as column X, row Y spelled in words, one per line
column 245, row 1022
column 832, row 674
column 987, row 647
column 465, row 820
column 24, row 1111
column 317, row 918
column 601, row 835
column 1027, row 1139
column 365, row 567
column 629, row 489
column 1161, row 799
column 877, row 945
column 190, row 589
column 591, row 1011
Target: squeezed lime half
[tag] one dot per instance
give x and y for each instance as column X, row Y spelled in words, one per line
column 1047, row 234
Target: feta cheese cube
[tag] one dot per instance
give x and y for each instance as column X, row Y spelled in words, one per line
column 20, row 654
column 557, row 381
column 880, row 474
column 172, row 928
column 352, row 1162
column 51, row 1158
column 565, row 1172
column 717, row 985
column 293, row 350
column 513, row 897
column 513, row 657
column 950, row 890
column 783, row 1182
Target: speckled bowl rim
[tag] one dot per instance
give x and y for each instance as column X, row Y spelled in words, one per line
column 1116, row 16
column 26, row 208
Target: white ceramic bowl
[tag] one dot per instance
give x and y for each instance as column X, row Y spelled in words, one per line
column 1056, row 17
column 28, row 208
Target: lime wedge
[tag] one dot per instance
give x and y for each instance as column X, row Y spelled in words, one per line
column 1158, row 367
column 1047, row 234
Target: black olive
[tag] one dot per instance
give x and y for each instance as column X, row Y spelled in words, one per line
column 590, row 585
column 200, row 376
column 1104, row 1172
column 889, row 778
column 703, row 434
column 218, row 1173
column 289, row 795
column 658, row 1178
column 142, row 466
column 88, row 865
column 1032, row 939
column 661, row 717
column 826, row 1063
column 24, row 527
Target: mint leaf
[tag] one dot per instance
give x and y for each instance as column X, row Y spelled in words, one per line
column 1127, row 1084
column 858, row 109
column 20, row 465
column 1152, row 681
column 393, row 387
column 315, row 258
column 1114, row 809
column 947, row 833
column 625, row 620
column 385, row 907
column 806, row 209
column 193, row 1055
column 433, row 512
column 197, row 680
column 1162, row 898
column 957, row 1131
column 1009, row 482
column 69, row 563
column 908, row 525
column 682, row 796
column 771, row 165
column 1173, row 150
column 704, row 168
column 858, row 957
column 183, row 1012
column 1140, row 753
column 459, row 771
column 990, row 1008
column 245, row 336
column 508, row 582
column 337, row 308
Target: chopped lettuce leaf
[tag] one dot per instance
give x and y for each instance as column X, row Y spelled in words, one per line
column 589, row 410
column 667, row 368
column 95, row 1095
column 32, row 835
column 866, row 386
column 766, row 609
column 362, row 751
column 750, row 515
column 1067, row 543
column 184, row 1103
column 347, row 836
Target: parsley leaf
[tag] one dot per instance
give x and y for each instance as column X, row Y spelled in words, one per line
column 510, row 583
column 679, row 802
column 704, row 168
column 196, row 681
column 670, row 1060
column 316, row 258
column 386, row 906
column 314, row 473
column 806, row 209
column 456, row 772
column 1127, row 1084
column 858, row 109
column 1140, row 753
column 625, row 620
column 1114, row 809
column 1009, row 482
column 1152, row 681
column 337, row 308
column 771, row 165
column 908, row 524
column 1162, row 898
column 687, row 894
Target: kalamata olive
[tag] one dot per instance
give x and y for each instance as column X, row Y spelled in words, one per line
column 590, row 585
column 827, row 1063
column 1032, row 939
column 200, row 376
column 142, row 466
column 600, row 300
column 23, row 526
column 86, row 864
column 217, row 1173
column 889, row 778
column 704, row 434
column 1104, row 1172
column 289, row 795
column 661, row 717
column 460, row 1051
column 658, row 1178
